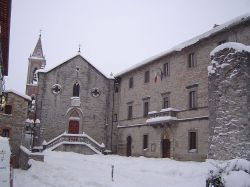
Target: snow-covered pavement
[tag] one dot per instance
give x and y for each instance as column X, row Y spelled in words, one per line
column 75, row 170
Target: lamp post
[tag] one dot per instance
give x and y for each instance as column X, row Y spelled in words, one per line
column 32, row 127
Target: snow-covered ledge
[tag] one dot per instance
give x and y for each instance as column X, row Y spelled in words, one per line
column 75, row 101
column 160, row 119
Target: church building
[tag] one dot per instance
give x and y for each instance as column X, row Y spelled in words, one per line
column 158, row 108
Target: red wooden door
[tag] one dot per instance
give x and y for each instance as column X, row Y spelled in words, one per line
column 73, row 127
column 165, row 148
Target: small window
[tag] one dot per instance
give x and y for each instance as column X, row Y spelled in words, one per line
column 166, row 69
column 115, row 117
column 191, row 60
column 116, row 89
column 8, row 109
column 6, row 133
column 130, row 112
column 192, row 140
column 145, row 141
column 131, row 82
column 145, row 108
column 192, row 99
column 76, row 90
column 165, row 103
column 146, row 77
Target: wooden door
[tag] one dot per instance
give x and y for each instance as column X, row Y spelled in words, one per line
column 129, row 146
column 73, row 127
column 165, row 148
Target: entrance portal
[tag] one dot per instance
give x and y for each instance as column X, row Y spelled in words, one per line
column 73, row 127
column 129, row 146
column 165, row 148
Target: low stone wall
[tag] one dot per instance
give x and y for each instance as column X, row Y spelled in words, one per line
column 229, row 102
column 25, row 155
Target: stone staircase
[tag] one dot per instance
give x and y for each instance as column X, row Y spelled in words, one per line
column 74, row 139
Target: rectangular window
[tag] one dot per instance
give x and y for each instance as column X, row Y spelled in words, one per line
column 145, row 141
column 146, row 76
column 116, row 89
column 115, row 118
column 192, row 99
column 131, row 82
column 166, row 70
column 145, row 109
column 8, row 109
column 130, row 112
column 165, row 102
column 191, row 60
column 192, row 140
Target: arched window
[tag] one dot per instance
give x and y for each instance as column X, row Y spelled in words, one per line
column 34, row 78
column 76, row 90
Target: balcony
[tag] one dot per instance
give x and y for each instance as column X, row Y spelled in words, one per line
column 165, row 116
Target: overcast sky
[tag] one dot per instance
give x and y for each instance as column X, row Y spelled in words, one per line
column 113, row 34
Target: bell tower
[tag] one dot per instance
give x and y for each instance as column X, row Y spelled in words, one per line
column 36, row 61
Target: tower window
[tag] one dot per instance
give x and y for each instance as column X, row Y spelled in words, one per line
column 76, row 90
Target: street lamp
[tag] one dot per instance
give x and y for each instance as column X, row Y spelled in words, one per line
column 32, row 127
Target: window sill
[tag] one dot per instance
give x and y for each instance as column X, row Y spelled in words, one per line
column 193, row 151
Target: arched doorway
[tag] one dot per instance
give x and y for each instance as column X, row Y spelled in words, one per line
column 73, row 127
column 165, row 145
column 129, row 146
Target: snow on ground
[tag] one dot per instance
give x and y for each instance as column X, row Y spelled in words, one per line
column 76, row 170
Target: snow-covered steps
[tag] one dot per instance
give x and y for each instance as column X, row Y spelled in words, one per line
column 80, row 143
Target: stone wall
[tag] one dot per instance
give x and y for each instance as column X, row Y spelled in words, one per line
column 14, row 122
column 229, row 102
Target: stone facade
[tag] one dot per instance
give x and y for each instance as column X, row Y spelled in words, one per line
column 92, row 112
column 12, row 124
column 178, row 84
column 229, row 102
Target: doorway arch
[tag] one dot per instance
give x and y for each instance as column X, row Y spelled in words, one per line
column 165, row 145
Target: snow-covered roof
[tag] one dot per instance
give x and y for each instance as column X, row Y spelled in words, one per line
column 19, row 94
column 220, row 28
column 48, row 70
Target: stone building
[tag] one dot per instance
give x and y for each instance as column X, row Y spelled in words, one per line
column 163, row 102
column 12, row 120
column 158, row 108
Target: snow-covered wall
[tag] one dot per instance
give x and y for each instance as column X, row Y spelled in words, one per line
column 229, row 102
